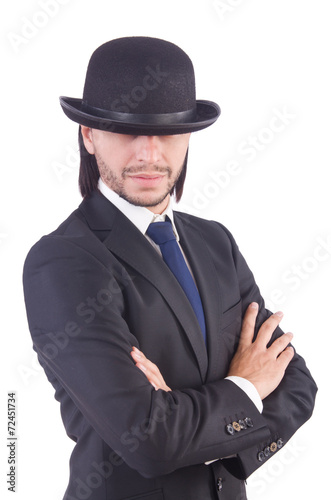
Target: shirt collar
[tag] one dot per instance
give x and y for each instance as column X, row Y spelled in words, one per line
column 141, row 217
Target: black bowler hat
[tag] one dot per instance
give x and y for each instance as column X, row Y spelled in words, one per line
column 140, row 86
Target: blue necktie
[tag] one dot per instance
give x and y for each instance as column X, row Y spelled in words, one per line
column 162, row 234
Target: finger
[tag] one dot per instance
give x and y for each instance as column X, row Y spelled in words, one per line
column 278, row 346
column 152, row 379
column 267, row 329
column 150, row 374
column 153, row 375
column 286, row 357
column 248, row 325
column 137, row 354
column 150, row 370
column 140, row 357
column 146, row 363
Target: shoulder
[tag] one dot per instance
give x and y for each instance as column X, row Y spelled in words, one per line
column 72, row 229
column 70, row 245
column 83, row 230
column 208, row 228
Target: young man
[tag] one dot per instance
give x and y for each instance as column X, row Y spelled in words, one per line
column 144, row 318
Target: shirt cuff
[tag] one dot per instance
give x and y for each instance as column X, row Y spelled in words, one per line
column 249, row 389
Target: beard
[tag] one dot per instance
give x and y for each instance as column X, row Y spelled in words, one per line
column 116, row 183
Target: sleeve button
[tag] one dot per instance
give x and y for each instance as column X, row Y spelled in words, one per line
column 236, row 426
column 260, row 456
column 248, row 422
column 242, row 424
column 230, row 429
column 273, row 447
column 280, row 443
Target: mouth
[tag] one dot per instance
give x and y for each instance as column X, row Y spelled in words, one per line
column 147, row 180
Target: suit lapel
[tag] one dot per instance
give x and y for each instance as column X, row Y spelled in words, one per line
column 204, row 271
column 102, row 215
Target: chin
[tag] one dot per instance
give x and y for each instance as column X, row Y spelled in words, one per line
column 146, row 201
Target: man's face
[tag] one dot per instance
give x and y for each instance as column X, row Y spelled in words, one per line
column 140, row 169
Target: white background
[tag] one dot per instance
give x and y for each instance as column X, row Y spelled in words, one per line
column 257, row 59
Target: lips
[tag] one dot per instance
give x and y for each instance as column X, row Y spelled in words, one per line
column 147, row 180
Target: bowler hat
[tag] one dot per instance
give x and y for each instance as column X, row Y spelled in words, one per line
column 140, row 86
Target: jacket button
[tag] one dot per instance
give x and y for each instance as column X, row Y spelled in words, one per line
column 219, row 484
column 267, row 452
column 230, row 429
column 236, row 426
column 273, row 447
column 260, row 456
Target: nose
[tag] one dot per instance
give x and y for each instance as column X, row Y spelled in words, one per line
column 148, row 148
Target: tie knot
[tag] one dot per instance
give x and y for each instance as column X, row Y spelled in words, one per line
column 161, row 232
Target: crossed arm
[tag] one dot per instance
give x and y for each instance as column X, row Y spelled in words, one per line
column 95, row 378
column 261, row 365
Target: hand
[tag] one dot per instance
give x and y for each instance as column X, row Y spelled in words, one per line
column 151, row 371
column 264, row 367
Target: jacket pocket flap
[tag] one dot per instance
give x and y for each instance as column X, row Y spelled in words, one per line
column 152, row 495
column 232, row 314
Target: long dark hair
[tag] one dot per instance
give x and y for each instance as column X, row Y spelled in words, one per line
column 89, row 172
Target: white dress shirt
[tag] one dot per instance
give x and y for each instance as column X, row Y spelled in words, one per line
column 141, row 217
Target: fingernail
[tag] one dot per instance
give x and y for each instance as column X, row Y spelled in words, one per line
column 254, row 305
column 137, row 353
column 280, row 314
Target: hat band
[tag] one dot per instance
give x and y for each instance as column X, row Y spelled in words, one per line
column 138, row 118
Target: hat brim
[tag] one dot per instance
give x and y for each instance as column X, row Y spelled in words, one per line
column 206, row 114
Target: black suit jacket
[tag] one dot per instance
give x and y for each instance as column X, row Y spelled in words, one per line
column 96, row 287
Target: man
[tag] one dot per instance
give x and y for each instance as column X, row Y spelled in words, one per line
column 144, row 318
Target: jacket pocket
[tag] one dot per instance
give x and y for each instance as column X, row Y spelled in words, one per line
column 231, row 327
column 152, row 495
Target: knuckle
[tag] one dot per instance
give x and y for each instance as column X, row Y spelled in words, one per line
column 274, row 319
column 281, row 340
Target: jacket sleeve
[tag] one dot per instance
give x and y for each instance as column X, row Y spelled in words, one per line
column 76, row 313
column 290, row 405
